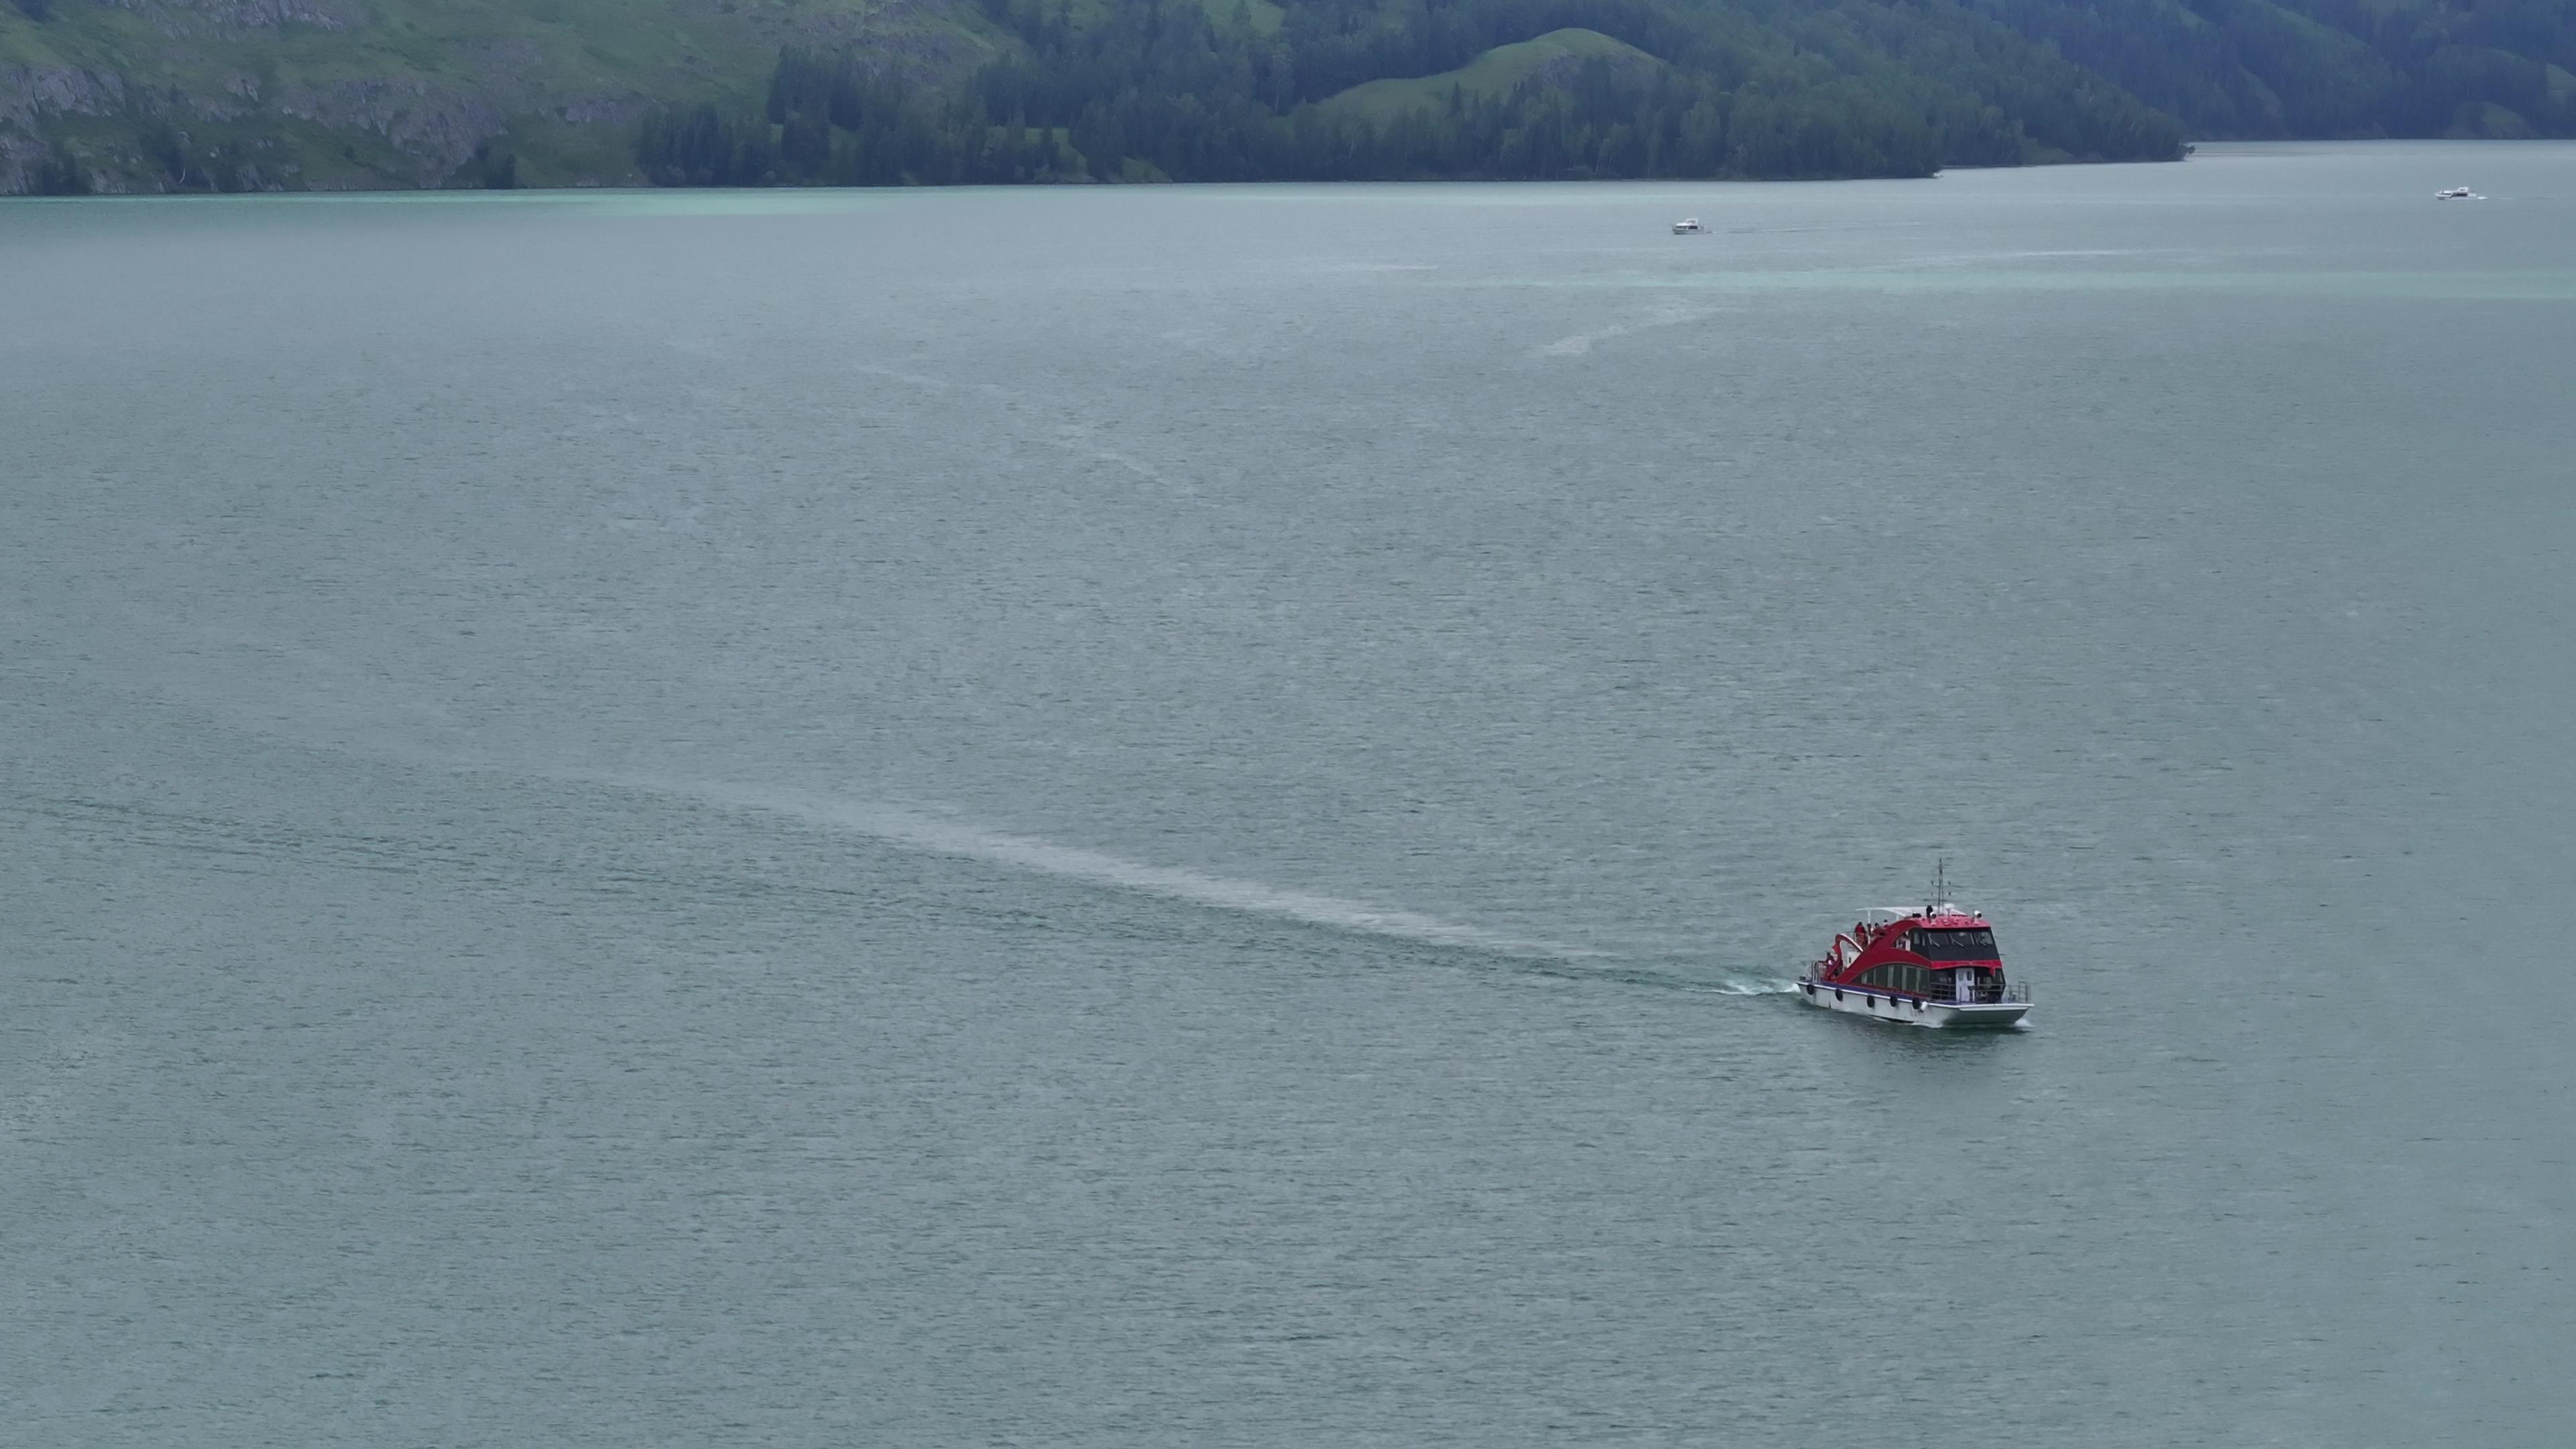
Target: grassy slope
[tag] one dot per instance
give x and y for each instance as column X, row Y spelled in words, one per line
column 400, row 92
column 1490, row 75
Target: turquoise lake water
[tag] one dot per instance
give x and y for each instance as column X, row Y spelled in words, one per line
column 1180, row 816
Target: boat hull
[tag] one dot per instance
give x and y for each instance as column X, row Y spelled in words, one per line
column 1912, row 1010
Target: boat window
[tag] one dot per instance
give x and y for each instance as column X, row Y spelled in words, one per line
column 1965, row 945
column 1906, row 976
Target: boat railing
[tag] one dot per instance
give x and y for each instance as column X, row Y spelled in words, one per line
column 2005, row 992
column 2015, row 991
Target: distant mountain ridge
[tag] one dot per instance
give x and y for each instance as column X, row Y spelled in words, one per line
column 159, row 95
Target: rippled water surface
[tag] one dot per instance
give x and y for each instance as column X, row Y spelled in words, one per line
column 1178, row 816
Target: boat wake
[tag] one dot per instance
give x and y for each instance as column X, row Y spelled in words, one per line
column 1755, row 986
column 918, row 829
column 922, row 831
column 1582, row 343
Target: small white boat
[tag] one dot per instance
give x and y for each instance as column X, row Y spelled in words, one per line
column 1686, row 224
column 2457, row 193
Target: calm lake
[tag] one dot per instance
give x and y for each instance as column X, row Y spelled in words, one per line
column 1181, row 816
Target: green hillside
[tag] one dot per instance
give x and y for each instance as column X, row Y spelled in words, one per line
column 251, row 94
column 157, row 95
column 1200, row 90
column 1554, row 58
column 2327, row 68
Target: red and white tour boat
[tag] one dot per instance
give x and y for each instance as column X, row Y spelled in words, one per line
column 1934, row 967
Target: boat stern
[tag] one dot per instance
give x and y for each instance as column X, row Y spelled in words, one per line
column 1990, row 1013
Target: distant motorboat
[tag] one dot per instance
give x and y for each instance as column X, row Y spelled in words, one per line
column 2457, row 193
column 1686, row 224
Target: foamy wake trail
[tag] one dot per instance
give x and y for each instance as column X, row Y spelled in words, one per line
column 1754, row 986
column 949, row 837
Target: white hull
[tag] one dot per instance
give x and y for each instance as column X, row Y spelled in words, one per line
column 1912, row 1010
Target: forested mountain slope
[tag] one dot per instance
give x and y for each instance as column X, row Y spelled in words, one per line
column 247, row 94
column 2324, row 68
column 1141, row 90
column 154, row 95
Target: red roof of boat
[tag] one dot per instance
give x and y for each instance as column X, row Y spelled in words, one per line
column 1890, row 941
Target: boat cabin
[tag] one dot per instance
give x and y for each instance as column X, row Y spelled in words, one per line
column 1939, row 955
